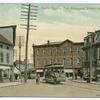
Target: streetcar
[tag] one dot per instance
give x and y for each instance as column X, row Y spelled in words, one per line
column 54, row 73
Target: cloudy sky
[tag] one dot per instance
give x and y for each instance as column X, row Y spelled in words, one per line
column 55, row 22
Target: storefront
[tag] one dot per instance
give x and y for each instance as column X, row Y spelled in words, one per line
column 5, row 73
column 40, row 72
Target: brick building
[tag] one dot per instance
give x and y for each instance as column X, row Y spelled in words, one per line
column 66, row 52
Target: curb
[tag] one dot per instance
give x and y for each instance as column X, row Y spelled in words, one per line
column 85, row 82
column 10, row 85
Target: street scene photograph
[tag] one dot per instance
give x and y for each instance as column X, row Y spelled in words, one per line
column 50, row 50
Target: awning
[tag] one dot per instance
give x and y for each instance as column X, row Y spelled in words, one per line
column 39, row 70
column 5, row 67
column 68, row 70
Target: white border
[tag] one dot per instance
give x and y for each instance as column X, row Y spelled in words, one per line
column 49, row 1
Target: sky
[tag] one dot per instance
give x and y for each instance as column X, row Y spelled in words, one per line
column 55, row 22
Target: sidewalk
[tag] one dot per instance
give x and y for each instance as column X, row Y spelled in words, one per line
column 83, row 81
column 10, row 84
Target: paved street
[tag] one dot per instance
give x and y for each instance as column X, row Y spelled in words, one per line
column 67, row 89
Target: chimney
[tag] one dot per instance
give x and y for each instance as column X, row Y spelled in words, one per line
column 48, row 42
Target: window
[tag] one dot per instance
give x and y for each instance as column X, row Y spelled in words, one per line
column 43, row 52
column 37, row 52
column 1, row 57
column 45, row 61
column 1, row 46
column 7, row 47
column 64, row 61
column 66, row 50
column 98, row 54
column 78, row 50
column 51, row 52
column 50, row 61
column 7, row 56
column 37, row 62
column 56, row 51
column 78, row 60
column 90, row 39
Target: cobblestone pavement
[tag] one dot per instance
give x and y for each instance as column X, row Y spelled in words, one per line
column 66, row 89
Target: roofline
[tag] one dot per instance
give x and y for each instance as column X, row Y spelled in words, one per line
column 97, row 31
column 48, row 45
column 8, row 26
column 76, row 43
column 7, row 44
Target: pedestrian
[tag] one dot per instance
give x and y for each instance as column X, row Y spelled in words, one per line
column 37, row 78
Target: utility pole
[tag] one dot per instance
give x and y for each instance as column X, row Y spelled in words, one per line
column 20, row 43
column 34, row 55
column 28, row 15
column 73, row 77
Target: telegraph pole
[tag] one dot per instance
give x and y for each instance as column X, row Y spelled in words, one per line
column 28, row 15
column 73, row 77
column 20, row 43
column 19, row 51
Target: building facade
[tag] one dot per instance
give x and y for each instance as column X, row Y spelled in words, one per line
column 66, row 52
column 6, row 53
column 91, row 59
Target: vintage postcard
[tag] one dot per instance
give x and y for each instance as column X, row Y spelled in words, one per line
column 50, row 50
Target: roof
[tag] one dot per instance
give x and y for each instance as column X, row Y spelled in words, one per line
column 8, row 26
column 4, row 40
column 58, row 43
column 79, row 43
column 97, row 31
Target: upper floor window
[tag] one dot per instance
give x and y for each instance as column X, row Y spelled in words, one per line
column 78, row 60
column 1, row 57
column 37, row 62
column 64, row 61
column 98, row 53
column 56, row 51
column 97, row 37
column 51, row 52
column 78, row 49
column 7, row 47
column 65, row 50
column 37, row 52
column 1, row 46
column 43, row 52
column 45, row 62
column 85, row 41
column 90, row 39
column 8, row 57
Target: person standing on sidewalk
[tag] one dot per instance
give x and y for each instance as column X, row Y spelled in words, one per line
column 37, row 78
